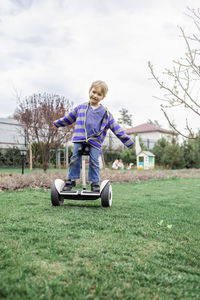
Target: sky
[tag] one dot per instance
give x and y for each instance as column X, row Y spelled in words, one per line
column 62, row 46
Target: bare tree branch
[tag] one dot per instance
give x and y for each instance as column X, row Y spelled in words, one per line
column 185, row 75
column 174, row 127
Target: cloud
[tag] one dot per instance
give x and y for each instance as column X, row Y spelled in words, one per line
column 62, row 46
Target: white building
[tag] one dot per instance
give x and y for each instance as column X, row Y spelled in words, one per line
column 11, row 134
column 150, row 133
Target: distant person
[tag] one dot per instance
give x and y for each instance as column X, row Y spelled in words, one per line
column 115, row 164
column 92, row 120
column 120, row 164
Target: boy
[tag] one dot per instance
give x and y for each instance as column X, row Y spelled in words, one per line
column 92, row 122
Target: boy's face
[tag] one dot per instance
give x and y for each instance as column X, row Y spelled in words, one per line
column 96, row 96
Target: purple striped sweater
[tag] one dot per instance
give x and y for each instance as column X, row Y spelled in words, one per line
column 78, row 115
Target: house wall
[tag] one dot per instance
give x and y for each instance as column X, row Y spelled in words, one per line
column 154, row 135
column 150, row 138
column 11, row 134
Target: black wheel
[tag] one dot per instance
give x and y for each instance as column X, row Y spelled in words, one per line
column 56, row 199
column 106, row 195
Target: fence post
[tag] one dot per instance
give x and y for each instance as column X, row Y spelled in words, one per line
column 59, row 158
column 66, row 155
column 30, row 157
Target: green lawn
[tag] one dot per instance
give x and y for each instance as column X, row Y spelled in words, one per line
column 13, row 170
column 26, row 170
column 146, row 246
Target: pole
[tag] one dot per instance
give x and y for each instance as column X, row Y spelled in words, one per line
column 22, row 164
column 59, row 158
column 66, row 155
column 83, row 172
column 25, row 139
column 31, row 157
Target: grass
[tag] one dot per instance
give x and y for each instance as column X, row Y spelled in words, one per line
column 146, row 246
column 27, row 170
column 18, row 170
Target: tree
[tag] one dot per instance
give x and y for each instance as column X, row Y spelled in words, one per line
column 169, row 154
column 128, row 156
column 125, row 118
column 191, row 152
column 37, row 113
column 159, row 149
column 173, row 156
column 181, row 84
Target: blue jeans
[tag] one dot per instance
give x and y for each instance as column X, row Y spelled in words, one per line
column 75, row 164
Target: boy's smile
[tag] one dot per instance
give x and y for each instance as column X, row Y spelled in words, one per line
column 95, row 95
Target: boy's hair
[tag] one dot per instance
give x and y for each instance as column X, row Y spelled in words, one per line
column 100, row 84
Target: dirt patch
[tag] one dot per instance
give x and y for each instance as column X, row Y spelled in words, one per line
column 136, row 176
column 44, row 180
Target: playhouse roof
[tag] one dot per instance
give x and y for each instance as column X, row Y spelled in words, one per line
column 147, row 127
column 147, row 153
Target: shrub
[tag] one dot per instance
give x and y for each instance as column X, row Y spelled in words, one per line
column 173, row 156
column 2, row 159
column 159, row 149
column 110, row 156
column 10, row 157
column 128, row 156
column 191, row 152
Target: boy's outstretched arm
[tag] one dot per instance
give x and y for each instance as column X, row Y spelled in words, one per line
column 67, row 120
column 119, row 132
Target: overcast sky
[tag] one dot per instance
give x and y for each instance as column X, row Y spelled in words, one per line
column 61, row 46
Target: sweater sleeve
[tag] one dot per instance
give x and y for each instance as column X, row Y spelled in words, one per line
column 119, row 132
column 67, row 120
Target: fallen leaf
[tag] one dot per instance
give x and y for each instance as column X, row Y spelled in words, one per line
column 169, row 226
column 160, row 223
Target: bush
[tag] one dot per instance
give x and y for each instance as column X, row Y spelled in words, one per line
column 110, row 156
column 170, row 155
column 10, row 157
column 173, row 156
column 159, row 149
column 191, row 152
column 2, row 159
column 128, row 156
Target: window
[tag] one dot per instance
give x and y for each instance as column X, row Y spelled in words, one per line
column 150, row 159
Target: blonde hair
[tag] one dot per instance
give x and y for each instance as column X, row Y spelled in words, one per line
column 100, row 84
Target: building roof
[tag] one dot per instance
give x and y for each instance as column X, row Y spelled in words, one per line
column 147, row 127
column 9, row 121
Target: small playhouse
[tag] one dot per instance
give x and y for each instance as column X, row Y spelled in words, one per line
column 145, row 160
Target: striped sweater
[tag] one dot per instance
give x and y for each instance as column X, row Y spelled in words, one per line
column 78, row 115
